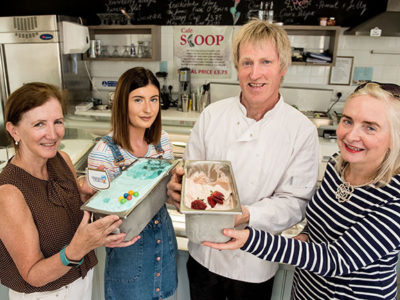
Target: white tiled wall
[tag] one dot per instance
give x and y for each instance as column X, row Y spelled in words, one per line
column 386, row 67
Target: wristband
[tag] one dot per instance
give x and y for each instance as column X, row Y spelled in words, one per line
column 69, row 263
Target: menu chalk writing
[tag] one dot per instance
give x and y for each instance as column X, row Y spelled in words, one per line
column 194, row 12
column 345, row 12
column 199, row 12
column 136, row 11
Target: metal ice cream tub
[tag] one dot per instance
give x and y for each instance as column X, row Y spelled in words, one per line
column 200, row 181
column 146, row 180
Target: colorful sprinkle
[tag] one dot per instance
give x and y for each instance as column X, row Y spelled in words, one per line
column 126, row 195
column 130, row 192
column 122, row 201
column 106, row 200
column 129, row 197
column 120, row 198
column 136, row 194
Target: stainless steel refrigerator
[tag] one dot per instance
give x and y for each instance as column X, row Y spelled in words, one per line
column 34, row 48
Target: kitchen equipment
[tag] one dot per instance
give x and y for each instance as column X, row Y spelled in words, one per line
column 140, row 49
column 185, row 102
column 319, row 118
column 193, row 102
column 184, row 85
column 205, row 97
column 327, row 131
column 207, row 225
column 146, row 49
column 165, row 96
column 42, row 48
column 92, row 52
column 221, row 90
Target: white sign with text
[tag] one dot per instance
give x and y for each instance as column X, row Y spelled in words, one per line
column 206, row 50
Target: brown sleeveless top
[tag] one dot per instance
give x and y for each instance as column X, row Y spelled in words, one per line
column 55, row 207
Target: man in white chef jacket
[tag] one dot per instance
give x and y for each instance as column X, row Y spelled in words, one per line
column 273, row 149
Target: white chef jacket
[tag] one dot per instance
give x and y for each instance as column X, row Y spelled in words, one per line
column 275, row 165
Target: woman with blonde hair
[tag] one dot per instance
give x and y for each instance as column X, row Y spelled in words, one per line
column 351, row 245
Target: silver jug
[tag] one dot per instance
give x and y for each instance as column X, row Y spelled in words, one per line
column 140, row 49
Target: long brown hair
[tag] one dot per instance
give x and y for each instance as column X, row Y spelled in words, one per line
column 131, row 80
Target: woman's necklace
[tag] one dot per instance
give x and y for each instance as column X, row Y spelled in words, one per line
column 345, row 190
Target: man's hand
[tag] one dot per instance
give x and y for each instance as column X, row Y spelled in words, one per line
column 244, row 218
column 302, row 237
column 174, row 187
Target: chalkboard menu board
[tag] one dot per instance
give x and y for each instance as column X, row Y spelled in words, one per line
column 199, row 12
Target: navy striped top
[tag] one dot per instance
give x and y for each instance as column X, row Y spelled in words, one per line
column 353, row 246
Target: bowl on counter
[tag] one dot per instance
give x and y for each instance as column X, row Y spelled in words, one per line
column 207, row 224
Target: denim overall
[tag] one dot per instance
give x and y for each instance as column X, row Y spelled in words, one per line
column 147, row 269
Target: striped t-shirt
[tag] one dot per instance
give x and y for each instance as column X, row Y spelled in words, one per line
column 353, row 246
column 101, row 155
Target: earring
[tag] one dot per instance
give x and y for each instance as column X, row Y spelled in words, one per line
column 16, row 143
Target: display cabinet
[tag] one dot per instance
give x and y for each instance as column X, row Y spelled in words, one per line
column 125, row 42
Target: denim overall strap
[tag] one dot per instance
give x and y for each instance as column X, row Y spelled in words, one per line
column 159, row 149
column 118, row 158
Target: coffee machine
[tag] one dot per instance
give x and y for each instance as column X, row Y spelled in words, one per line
column 184, row 88
column 164, row 96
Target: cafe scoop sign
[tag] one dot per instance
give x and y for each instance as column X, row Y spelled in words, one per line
column 206, row 50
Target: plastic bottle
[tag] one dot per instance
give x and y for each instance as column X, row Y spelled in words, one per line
column 261, row 11
column 132, row 50
column 271, row 13
column 266, row 6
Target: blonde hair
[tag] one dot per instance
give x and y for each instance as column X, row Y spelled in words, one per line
column 391, row 163
column 256, row 31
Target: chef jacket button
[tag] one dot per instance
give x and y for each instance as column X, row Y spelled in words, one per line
column 251, row 135
column 158, row 241
column 158, row 258
column 157, row 290
column 156, row 222
column 158, row 274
